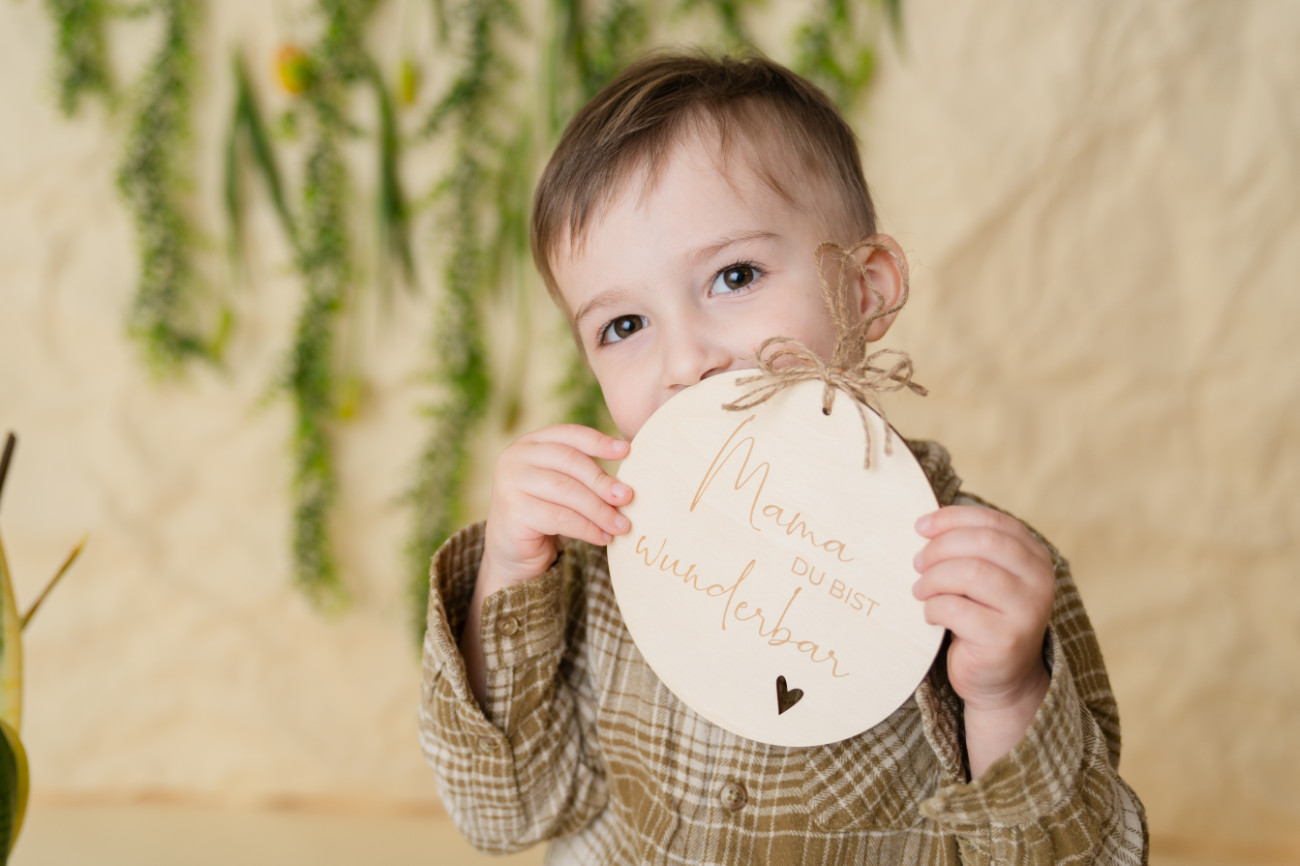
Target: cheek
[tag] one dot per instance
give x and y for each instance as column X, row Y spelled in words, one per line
column 823, row 343
column 622, row 416
column 624, row 403
column 629, row 412
column 815, row 330
column 799, row 311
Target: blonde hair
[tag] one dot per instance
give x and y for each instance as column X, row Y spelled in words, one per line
column 789, row 129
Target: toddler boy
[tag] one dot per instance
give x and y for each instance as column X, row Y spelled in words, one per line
column 679, row 224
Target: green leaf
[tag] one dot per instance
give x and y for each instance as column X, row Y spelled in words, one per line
column 246, row 123
column 11, row 442
column 11, row 650
column 54, row 581
column 233, row 192
column 259, row 145
column 894, row 9
column 393, row 213
column 13, row 789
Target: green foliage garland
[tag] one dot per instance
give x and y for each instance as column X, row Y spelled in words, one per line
column 312, row 381
column 81, row 51
column 153, row 175
column 837, row 50
column 462, row 371
column 730, row 15
column 589, row 52
column 325, row 260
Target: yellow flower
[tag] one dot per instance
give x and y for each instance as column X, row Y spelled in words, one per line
column 408, row 82
column 293, row 67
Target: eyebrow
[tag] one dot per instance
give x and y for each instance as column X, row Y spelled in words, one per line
column 722, row 243
column 607, row 298
column 610, row 297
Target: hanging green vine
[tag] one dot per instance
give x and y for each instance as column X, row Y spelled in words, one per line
column 81, row 52
column 590, row 51
column 325, row 259
column 165, row 314
column 312, row 375
column 462, row 371
column 730, row 15
column 837, row 47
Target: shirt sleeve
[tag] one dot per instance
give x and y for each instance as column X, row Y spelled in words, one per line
column 525, row 767
column 1057, row 795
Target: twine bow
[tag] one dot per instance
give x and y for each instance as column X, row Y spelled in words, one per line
column 783, row 361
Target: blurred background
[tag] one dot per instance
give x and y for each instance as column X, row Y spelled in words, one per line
column 256, row 411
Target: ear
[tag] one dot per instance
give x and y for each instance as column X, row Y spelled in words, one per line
column 879, row 281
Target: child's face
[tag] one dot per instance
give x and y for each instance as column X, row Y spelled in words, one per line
column 688, row 279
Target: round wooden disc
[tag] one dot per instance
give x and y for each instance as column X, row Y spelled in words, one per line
column 767, row 576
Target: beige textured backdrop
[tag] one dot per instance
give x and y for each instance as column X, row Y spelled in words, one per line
column 1101, row 202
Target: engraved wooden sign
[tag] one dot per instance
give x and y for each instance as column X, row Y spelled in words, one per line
column 767, row 576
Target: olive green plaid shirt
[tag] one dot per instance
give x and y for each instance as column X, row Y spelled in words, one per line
column 581, row 744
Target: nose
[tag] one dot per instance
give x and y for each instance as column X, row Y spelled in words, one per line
column 692, row 358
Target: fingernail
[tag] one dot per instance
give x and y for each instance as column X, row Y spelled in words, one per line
column 606, row 536
column 623, row 523
column 916, row 562
column 923, row 523
column 620, row 490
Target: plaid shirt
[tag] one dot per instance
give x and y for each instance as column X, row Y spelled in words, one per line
column 581, row 744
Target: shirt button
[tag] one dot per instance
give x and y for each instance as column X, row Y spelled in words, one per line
column 733, row 796
column 487, row 745
column 508, row 625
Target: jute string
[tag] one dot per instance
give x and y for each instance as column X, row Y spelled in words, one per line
column 862, row 375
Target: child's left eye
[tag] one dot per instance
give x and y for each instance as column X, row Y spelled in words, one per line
column 733, row 278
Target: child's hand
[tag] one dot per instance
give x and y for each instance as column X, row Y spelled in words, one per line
column 547, row 484
column 989, row 582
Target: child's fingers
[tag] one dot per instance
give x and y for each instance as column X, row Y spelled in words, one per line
column 585, row 439
column 954, row 517
column 566, row 460
column 980, row 542
column 965, row 618
column 552, row 519
column 547, row 484
column 549, row 497
column 979, row 580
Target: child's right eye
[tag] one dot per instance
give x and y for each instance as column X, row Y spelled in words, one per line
column 620, row 329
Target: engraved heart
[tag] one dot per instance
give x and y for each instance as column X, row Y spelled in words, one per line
column 786, row 697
